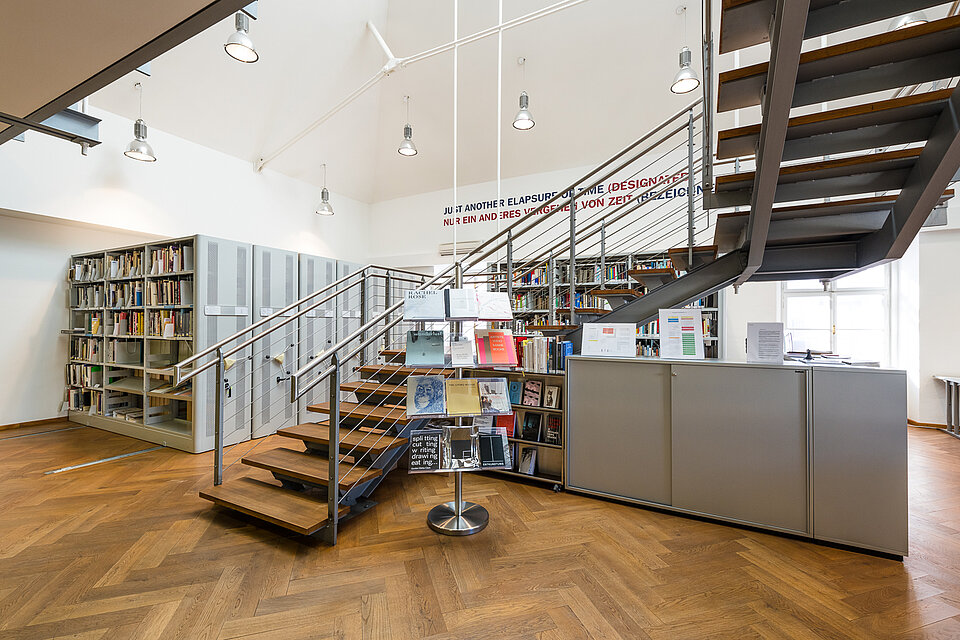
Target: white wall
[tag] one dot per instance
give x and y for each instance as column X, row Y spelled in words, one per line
column 755, row 302
column 190, row 189
column 34, row 254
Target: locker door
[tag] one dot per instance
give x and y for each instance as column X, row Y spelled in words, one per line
column 224, row 271
column 275, row 277
column 318, row 328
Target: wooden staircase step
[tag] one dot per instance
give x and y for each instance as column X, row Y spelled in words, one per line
column 830, row 178
column 391, row 355
column 396, row 370
column 930, row 49
column 652, row 278
column 291, row 510
column 867, row 126
column 557, row 329
column 588, row 311
column 309, row 467
column 837, row 218
column 701, row 255
column 372, row 442
column 745, row 23
column 616, row 293
column 376, row 388
column 386, row 416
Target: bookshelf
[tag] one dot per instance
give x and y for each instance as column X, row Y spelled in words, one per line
column 550, row 456
column 627, row 271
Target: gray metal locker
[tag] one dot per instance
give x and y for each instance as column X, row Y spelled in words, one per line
column 224, row 271
column 275, row 280
column 318, row 328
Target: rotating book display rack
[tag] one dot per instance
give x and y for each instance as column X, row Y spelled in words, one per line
column 448, row 443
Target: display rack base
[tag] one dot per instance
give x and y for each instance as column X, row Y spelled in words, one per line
column 443, row 519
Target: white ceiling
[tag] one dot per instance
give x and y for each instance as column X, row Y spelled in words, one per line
column 597, row 74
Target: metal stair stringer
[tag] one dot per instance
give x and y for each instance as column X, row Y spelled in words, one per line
column 694, row 285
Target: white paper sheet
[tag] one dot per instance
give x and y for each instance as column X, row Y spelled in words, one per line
column 681, row 334
column 765, row 342
column 617, row 340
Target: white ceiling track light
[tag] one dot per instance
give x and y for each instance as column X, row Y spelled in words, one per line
column 139, row 148
column 239, row 46
column 524, row 120
column 407, row 148
column 912, row 19
column 393, row 63
column 324, row 208
column 686, row 79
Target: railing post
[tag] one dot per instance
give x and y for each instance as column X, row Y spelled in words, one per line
column 552, row 289
column 513, row 324
column 218, row 423
column 708, row 100
column 387, row 301
column 691, row 188
column 573, row 255
column 333, row 453
column 603, row 254
column 363, row 313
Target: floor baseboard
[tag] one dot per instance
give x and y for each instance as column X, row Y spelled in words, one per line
column 30, row 423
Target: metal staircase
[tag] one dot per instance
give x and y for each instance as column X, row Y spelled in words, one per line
column 671, row 200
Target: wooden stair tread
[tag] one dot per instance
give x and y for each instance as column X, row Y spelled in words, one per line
column 659, row 274
column 592, row 311
column 616, row 293
column 380, row 389
column 285, row 508
column 392, row 353
column 704, row 248
column 701, row 255
column 740, row 88
column 373, row 442
column 368, row 412
column 839, row 167
column 309, row 467
column 400, row 370
column 741, row 142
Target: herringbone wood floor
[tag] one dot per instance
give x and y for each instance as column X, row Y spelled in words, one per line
column 127, row 550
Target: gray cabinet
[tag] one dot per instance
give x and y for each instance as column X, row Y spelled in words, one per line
column 622, row 429
column 275, row 279
column 740, row 443
column 224, row 271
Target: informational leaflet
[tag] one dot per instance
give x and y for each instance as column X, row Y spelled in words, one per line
column 424, row 305
column 765, row 342
column 681, row 334
column 618, row 340
column 461, row 304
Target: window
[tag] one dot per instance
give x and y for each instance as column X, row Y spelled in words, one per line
column 851, row 318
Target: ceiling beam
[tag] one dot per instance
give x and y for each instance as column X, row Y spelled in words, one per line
column 785, row 43
column 212, row 13
column 922, row 191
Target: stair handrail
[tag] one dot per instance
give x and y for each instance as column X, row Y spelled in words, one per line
column 180, row 377
column 484, row 250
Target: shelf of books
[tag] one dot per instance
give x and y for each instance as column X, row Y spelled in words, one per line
column 635, row 272
column 535, row 431
column 131, row 314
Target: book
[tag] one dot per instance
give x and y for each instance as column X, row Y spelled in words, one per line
column 494, row 449
column 516, row 391
column 424, row 305
column 507, row 423
column 426, row 396
column 463, row 397
column 552, row 431
column 531, row 393
column 528, row 461
column 424, row 348
column 493, row 306
column 493, row 396
column 531, row 427
column 551, row 397
column 461, row 351
column 461, row 304
column 495, row 348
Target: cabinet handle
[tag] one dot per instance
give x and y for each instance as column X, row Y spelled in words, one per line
column 673, row 373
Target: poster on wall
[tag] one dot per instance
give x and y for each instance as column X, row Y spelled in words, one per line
column 681, row 334
column 615, row 339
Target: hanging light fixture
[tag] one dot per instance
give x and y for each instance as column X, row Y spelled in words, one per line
column 407, row 148
column 324, row 208
column 524, row 119
column 686, row 79
column 909, row 20
column 139, row 148
column 239, row 46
